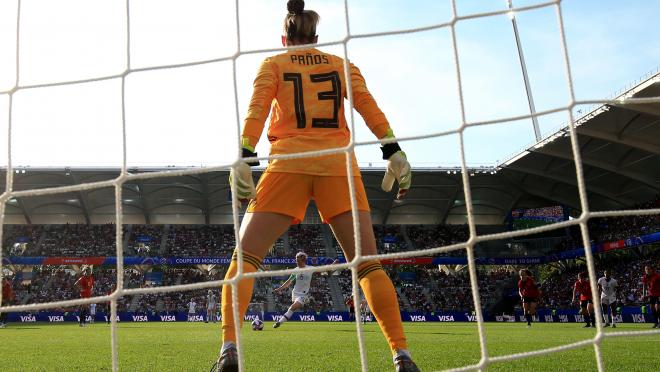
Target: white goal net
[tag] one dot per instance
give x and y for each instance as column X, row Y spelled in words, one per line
column 125, row 176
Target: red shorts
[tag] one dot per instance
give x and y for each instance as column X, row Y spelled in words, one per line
column 290, row 193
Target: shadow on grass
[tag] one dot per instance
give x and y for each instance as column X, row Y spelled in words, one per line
column 438, row 333
column 22, row 328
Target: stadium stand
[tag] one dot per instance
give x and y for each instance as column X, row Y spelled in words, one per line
column 200, row 240
column 74, row 240
column 421, row 287
column 145, row 240
column 437, row 236
column 557, row 289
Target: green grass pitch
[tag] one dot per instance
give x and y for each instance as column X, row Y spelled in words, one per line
column 313, row 347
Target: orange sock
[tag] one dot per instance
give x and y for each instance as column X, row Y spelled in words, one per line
column 382, row 299
column 245, row 288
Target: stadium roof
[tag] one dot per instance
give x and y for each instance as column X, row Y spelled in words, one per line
column 620, row 148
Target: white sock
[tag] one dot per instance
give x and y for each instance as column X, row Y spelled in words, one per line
column 227, row 345
column 287, row 316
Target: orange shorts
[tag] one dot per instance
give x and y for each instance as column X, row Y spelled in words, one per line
column 289, row 194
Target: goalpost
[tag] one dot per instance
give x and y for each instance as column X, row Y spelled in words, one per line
column 485, row 357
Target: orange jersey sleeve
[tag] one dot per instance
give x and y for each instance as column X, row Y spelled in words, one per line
column 366, row 105
column 265, row 87
column 305, row 91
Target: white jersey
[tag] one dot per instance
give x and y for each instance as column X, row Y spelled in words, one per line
column 210, row 302
column 303, row 282
column 92, row 309
column 608, row 288
column 192, row 305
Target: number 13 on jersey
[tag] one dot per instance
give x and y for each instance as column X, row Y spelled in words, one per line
column 331, row 98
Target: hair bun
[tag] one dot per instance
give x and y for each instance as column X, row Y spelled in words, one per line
column 295, row 6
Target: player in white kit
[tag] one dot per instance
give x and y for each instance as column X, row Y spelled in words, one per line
column 365, row 311
column 192, row 309
column 92, row 312
column 609, row 290
column 300, row 293
column 211, row 305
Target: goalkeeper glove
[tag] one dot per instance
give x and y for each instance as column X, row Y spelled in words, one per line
column 244, row 190
column 398, row 167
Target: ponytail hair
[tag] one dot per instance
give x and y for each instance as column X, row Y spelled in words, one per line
column 300, row 24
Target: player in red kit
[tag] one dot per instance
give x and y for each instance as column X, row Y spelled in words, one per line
column 529, row 294
column 583, row 287
column 350, row 303
column 86, row 285
column 651, row 282
column 7, row 298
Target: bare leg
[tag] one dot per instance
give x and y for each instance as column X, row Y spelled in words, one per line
column 260, row 230
column 342, row 227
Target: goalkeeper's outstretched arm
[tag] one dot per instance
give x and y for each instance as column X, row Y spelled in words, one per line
column 262, row 97
column 398, row 168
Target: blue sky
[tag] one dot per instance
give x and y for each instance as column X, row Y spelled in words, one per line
column 186, row 116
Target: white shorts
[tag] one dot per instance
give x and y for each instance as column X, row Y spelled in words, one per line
column 302, row 298
column 365, row 308
column 607, row 300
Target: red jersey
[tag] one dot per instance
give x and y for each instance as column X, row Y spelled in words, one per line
column 350, row 304
column 528, row 288
column 653, row 283
column 584, row 288
column 86, row 286
column 7, row 292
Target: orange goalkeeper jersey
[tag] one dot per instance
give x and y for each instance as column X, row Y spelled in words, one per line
column 304, row 92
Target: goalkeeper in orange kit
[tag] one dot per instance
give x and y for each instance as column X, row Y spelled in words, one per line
column 304, row 91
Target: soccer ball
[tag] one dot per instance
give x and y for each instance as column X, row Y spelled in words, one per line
column 257, row 325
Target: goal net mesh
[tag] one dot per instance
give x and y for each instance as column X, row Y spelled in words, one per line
column 468, row 246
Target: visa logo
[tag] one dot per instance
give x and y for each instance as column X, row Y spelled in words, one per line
column 637, row 318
